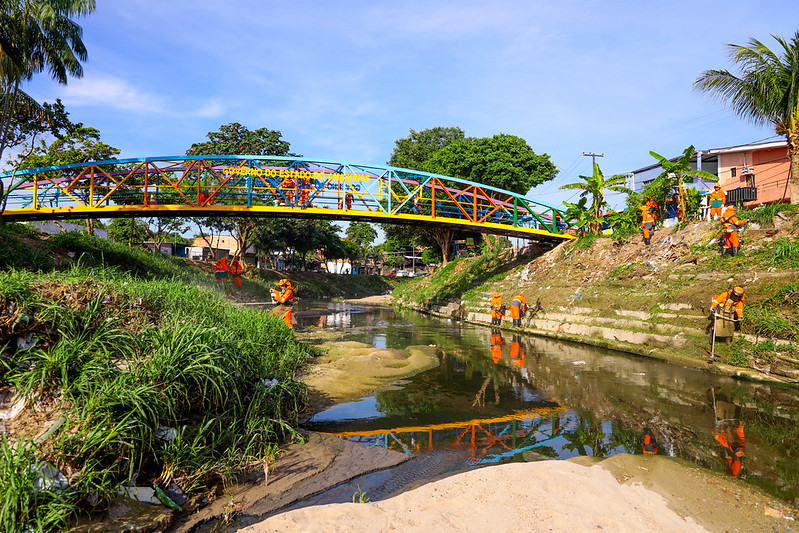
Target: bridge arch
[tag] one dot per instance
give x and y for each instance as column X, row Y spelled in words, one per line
column 274, row 186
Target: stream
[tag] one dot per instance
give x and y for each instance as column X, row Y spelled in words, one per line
column 495, row 397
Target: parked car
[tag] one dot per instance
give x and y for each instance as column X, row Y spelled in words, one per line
column 403, row 274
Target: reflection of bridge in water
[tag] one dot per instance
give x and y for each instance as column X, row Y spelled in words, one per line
column 272, row 186
column 486, row 440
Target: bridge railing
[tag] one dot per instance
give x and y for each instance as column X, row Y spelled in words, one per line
column 190, row 185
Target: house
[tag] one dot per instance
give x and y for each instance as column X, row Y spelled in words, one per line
column 222, row 245
column 759, row 172
column 754, row 174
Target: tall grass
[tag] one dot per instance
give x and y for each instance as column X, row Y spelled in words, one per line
column 785, row 253
column 29, row 505
column 120, row 357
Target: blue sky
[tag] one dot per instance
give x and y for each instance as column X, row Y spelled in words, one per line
column 345, row 79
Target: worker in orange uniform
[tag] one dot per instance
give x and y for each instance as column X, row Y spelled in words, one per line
column 496, row 346
column 647, row 223
column 653, row 207
column 235, row 272
column 305, row 190
column 729, row 226
column 221, row 270
column 733, row 447
column 648, row 446
column 284, row 297
column 517, row 351
column 729, row 304
column 496, row 310
column 517, row 309
column 717, row 199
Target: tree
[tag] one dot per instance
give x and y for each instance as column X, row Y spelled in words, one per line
column 235, row 139
column 363, row 235
column 37, row 35
column 675, row 172
column 79, row 145
column 502, row 161
column 414, row 150
column 159, row 229
column 766, row 91
column 579, row 215
column 596, row 186
column 127, row 230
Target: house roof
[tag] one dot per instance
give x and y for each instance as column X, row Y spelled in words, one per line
column 747, row 147
column 726, row 150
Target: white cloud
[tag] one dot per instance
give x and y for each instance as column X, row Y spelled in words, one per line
column 114, row 93
column 211, row 109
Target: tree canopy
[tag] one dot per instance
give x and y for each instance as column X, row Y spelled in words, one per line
column 236, row 139
column 36, row 35
column 413, row 151
column 765, row 91
column 502, row 161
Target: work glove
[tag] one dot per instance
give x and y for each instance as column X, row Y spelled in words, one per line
column 713, row 310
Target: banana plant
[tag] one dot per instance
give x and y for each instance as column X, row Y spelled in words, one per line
column 675, row 173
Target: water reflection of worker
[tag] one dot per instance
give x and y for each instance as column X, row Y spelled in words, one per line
column 649, row 446
column 728, row 430
column 517, row 351
column 517, row 309
column 496, row 345
column 733, row 444
column 497, row 312
column 285, row 297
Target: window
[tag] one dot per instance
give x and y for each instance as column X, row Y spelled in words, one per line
column 750, row 180
column 733, row 172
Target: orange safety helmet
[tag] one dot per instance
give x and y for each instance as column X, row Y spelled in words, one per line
column 717, row 186
column 738, row 291
column 285, row 282
column 496, row 295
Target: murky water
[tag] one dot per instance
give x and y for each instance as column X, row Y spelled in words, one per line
column 497, row 397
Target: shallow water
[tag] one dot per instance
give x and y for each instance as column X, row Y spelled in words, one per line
column 497, row 397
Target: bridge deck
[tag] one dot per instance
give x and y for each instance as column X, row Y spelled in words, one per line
column 270, row 186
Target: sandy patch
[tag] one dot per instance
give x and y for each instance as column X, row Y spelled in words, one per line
column 656, row 494
column 351, row 370
column 544, row 496
column 378, row 299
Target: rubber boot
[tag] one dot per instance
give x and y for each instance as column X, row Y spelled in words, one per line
column 647, row 240
column 724, row 252
column 735, row 250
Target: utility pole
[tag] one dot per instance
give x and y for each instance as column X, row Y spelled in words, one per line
column 593, row 158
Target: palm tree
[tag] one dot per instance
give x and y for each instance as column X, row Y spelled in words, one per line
column 596, row 185
column 37, row 35
column 765, row 92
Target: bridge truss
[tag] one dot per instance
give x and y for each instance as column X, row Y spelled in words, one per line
column 273, row 186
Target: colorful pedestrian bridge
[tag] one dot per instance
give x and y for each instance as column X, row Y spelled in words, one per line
column 272, row 186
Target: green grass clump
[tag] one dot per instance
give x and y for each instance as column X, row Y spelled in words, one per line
column 120, row 358
column 737, row 355
column 457, row 278
column 777, row 315
column 785, row 253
